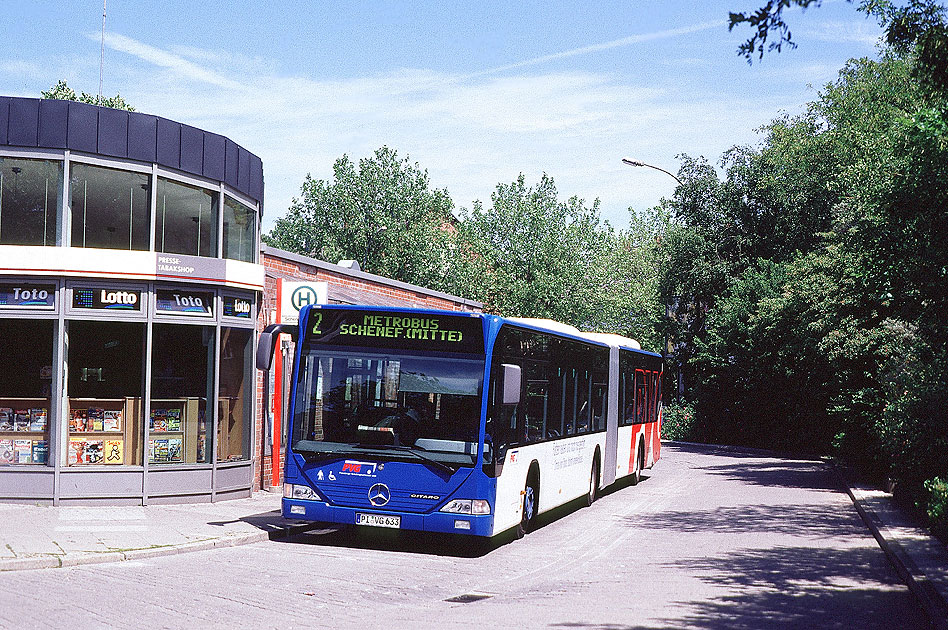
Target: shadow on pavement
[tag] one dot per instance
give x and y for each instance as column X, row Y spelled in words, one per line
column 428, row 543
column 792, row 587
column 812, row 520
column 780, row 474
column 801, row 587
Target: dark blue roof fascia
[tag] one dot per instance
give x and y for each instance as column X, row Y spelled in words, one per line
column 53, row 124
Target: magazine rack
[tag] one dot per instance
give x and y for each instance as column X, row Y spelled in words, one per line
column 177, row 431
column 24, row 431
column 104, row 431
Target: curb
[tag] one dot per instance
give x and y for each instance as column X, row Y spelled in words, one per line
column 931, row 598
column 93, row 557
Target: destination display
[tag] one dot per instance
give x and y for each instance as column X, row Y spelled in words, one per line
column 20, row 295
column 106, row 299
column 194, row 303
column 386, row 329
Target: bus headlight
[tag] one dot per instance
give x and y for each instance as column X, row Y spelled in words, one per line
column 467, row 506
column 293, row 491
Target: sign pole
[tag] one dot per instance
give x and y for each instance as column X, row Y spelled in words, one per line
column 275, row 476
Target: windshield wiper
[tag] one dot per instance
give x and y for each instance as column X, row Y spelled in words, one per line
column 415, row 450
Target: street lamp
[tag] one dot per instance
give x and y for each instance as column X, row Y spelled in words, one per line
column 632, row 162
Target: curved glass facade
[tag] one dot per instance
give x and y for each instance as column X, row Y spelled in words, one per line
column 127, row 310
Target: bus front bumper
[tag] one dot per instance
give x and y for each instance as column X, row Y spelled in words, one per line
column 310, row 510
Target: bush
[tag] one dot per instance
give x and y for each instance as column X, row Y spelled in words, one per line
column 937, row 508
column 678, row 422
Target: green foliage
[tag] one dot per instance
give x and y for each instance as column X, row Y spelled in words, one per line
column 679, row 422
column 531, row 255
column 63, row 92
column 812, row 280
column 382, row 212
column 937, row 508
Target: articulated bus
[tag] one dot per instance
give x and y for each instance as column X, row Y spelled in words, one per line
column 459, row 422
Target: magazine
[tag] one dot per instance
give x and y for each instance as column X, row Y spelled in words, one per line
column 95, row 418
column 40, row 451
column 37, row 419
column 112, row 420
column 6, row 451
column 174, row 449
column 21, row 420
column 93, row 452
column 159, row 450
column 77, row 450
column 77, row 423
column 6, row 419
column 23, row 451
column 174, row 419
column 114, row 451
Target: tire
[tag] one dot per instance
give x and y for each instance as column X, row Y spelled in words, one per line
column 593, row 492
column 637, row 473
column 528, row 516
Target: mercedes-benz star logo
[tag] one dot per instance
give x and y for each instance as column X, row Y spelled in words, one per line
column 379, row 495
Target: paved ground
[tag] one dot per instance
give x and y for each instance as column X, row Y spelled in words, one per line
column 715, row 538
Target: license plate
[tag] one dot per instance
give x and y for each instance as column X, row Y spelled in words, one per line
column 379, row 520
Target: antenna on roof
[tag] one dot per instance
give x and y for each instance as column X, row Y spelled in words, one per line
column 102, row 54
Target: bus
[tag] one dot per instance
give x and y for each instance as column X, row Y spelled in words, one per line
column 467, row 423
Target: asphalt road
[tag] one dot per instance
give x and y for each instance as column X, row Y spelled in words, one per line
column 710, row 539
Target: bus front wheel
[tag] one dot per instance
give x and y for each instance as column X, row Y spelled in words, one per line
column 529, row 514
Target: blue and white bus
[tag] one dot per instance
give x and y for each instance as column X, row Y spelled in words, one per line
column 459, row 422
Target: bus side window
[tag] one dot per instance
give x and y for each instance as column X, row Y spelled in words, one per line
column 537, row 404
column 653, row 397
column 641, row 397
column 600, row 392
column 584, row 401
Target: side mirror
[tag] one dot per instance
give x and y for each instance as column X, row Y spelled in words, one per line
column 512, row 378
column 267, row 341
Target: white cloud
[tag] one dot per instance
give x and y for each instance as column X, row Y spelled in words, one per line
column 471, row 131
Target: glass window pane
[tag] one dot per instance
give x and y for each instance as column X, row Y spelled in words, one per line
column 110, row 208
column 27, row 348
column 105, row 393
column 240, row 231
column 182, row 381
column 186, row 219
column 235, row 398
column 30, row 195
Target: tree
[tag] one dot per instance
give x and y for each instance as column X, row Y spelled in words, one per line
column 63, row 92
column 919, row 27
column 531, row 255
column 381, row 212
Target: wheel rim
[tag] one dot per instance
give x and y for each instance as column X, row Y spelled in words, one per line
column 592, row 484
column 528, row 504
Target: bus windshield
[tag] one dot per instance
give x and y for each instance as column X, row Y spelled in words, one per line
column 389, row 404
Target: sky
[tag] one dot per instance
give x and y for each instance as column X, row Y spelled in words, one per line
column 475, row 93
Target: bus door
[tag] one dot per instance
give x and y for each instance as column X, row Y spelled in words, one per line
column 612, row 420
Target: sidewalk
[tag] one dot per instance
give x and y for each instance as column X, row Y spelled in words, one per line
column 41, row 537
column 920, row 559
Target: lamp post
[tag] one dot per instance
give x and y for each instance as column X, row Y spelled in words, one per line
column 668, row 309
column 632, row 162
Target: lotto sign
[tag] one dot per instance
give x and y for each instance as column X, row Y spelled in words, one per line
column 296, row 295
